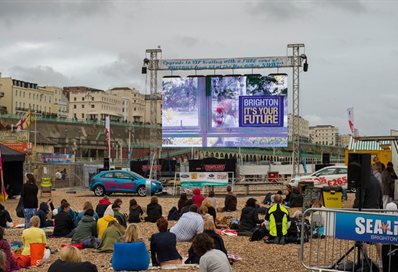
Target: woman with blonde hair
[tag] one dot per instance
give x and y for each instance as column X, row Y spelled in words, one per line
column 113, row 234
column 71, row 260
column 87, row 206
column 210, row 209
column 131, row 234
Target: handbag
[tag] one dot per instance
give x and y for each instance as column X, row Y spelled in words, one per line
column 20, row 208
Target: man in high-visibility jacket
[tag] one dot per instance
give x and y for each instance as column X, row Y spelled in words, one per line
column 277, row 221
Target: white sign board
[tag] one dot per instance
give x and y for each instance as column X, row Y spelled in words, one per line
column 200, row 179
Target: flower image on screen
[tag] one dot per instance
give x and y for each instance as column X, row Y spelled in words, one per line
column 180, row 102
column 225, row 111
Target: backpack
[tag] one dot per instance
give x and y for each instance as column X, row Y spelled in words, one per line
column 267, row 199
column 258, row 234
column 234, row 224
column 173, row 215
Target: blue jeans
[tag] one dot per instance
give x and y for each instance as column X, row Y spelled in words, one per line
column 29, row 213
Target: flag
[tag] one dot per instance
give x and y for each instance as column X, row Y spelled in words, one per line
column 305, row 166
column 24, row 122
column 108, row 133
column 131, row 153
column 350, row 112
column 3, row 196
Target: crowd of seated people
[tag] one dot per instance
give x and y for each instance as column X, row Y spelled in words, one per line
column 109, row 230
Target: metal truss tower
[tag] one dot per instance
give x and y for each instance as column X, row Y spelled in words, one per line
column 296, row 64
column 153, row 66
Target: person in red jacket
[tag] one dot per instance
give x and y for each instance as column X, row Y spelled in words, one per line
column 102, row 205
column 197, row 197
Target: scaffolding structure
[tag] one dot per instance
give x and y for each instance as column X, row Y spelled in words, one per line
column 295, row 61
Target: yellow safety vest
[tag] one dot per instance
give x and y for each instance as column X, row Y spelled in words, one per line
column 278, row 220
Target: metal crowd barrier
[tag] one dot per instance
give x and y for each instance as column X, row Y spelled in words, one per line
column 349, row 240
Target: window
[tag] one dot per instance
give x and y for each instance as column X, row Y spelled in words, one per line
column 108, row 175
column 82, row 115
column 74, row 99
column 122, row 175
column 135, row 109
column 29, row 95
column 74, row 106
column 342, row 171
column 16, row 92
column 92, row 98
column 326, row 172
column 82, row 106
column 92, row 106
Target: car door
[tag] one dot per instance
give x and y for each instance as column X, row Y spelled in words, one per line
column 109, row 182
column 340, row 177
column 124, row 182
column 324, row 176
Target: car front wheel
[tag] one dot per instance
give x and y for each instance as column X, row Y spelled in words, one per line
column 99, row 190
column 141, row 191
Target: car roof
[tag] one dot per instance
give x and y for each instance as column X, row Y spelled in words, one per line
column 333, row 166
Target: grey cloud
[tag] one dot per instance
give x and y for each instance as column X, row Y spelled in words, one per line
column 289, row 9
column 43, row 9
column 43, row 75
column 188, row 41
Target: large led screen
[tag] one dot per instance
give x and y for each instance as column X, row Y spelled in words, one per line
column 229, row 111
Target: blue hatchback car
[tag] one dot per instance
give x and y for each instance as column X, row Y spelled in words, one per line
column 122, row 181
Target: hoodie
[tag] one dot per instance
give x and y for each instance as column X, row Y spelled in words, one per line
column 197, row 197
column 86, row 229
column 103, row 224
column 42, row 214
column 101, row 207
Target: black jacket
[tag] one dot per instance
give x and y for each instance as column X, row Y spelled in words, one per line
column 154, row 212
column 42, row 214
column 120, row 218
column 63, row 224
column 135, row 213
column 4, row 218
column 29, row 194
column 61, row 266
column 372, row 197
column 212, row 212
column 100, row 209
column 230, row 202
column 248, row 219
column 193, row 258
column 163, row 248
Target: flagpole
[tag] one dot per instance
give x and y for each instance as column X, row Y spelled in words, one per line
column 35, row 132
column 29, row 149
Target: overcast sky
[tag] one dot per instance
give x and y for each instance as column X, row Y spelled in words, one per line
column 352, row 46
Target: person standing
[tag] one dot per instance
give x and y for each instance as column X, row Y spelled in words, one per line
column 387, row 178
column 29, row 195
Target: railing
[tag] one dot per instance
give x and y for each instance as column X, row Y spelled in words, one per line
column 349, row 240
column 87, row 122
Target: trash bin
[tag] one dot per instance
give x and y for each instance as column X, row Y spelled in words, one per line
column 332, row 197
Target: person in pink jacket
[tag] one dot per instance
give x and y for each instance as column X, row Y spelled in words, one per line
column 197, row 197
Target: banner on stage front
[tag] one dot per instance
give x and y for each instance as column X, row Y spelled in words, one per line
column 200, row 179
